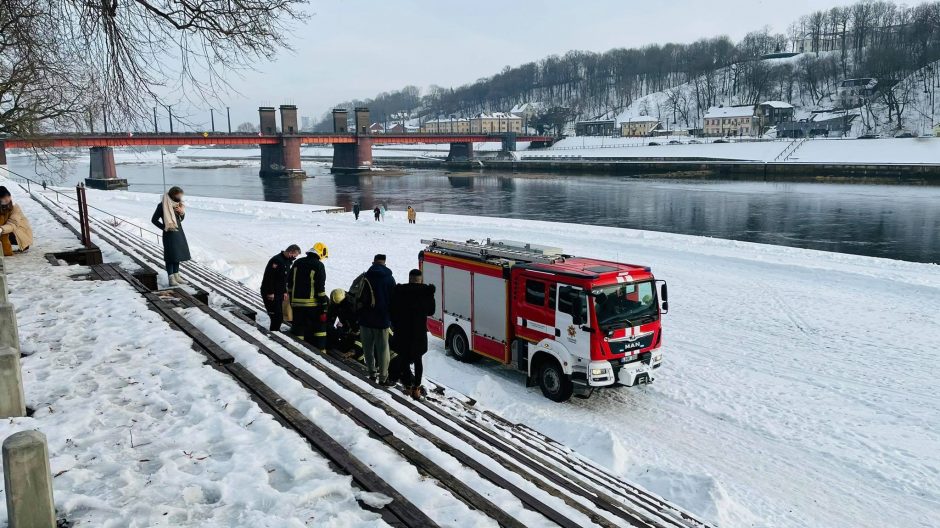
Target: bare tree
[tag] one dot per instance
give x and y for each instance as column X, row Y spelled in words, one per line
column 62, row 60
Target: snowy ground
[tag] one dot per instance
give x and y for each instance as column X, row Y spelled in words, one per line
column 862, row 151
column 799, row 387
column 140, row 432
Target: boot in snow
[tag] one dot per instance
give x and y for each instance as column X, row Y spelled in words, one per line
column 172, row 280
column 180, row 281
column 416, row 393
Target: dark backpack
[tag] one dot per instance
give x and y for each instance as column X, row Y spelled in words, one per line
column 361, row 295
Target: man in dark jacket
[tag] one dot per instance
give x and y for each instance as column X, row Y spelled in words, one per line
column 412, row 304
column 356, row 209
column 374, row 320
column 306, row 285
column 274, row 284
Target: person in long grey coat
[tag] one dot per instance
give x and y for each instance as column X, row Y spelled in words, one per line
column 169, row 219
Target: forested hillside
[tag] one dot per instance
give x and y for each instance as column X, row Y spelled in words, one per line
column 893, row 43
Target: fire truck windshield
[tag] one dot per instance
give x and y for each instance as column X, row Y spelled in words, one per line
column 620, row 305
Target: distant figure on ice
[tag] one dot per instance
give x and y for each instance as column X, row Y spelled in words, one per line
column 412, row 215
column 169, row 219
column 412, row 304
column 382, row 210
column 14, row 227
column 373, row 299
column 274, row 286
column 377, row 212
column 356, row 210
column 307, row 287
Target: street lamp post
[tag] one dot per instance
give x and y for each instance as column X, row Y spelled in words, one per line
column 169, row 109
column 155, row 129
column 212, row 119
column 228, row 113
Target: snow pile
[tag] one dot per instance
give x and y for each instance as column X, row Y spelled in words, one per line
column 798, row 388
column 140, row 432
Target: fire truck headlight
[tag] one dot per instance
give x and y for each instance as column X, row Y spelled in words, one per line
column 597, row 372
column 657, row 358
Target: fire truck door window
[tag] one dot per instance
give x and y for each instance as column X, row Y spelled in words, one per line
column 432, row 275
column 535, row 292
column 573, row 301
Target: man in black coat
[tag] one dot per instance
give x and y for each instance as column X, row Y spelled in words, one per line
column 274, row 284
column 412, row 304
column 306, row 285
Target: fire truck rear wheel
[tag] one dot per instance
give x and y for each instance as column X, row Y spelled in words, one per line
column 459, row 346
column 553, row 381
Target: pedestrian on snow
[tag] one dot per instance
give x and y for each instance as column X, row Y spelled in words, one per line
column 14, row 227
column 412, row 215
column 412, row 304
column 169, row 219
column 44, row 185
column 374, row 320
column 274, row 285
column 306, row 285
column 377, row 212
column 356, row 210
column 382, row 210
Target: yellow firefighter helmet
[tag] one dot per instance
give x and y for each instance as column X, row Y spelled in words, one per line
column 337, row 295
column 320, row 250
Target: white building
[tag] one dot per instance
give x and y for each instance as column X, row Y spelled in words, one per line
column 732, row 121
column 639, row 126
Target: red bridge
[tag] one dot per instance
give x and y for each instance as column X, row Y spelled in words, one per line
column 280, row 151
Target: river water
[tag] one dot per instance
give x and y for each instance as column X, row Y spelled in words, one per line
column 898, row 222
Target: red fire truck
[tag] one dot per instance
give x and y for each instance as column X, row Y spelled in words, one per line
column 572, row 324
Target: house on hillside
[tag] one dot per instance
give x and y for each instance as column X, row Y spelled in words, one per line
column 376, row 128
column 399, row 128
column 527, row 110
column 639, row 126
column 596, row 127
column 853, row 93
column 446, row 125
column 823, row 123
column 723, row 121
column 488, row 123
column 772, row 113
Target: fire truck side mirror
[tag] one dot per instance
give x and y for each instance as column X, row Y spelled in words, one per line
column 664, row 292
column 665, row 307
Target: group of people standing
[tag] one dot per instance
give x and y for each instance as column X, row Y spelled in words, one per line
column 378, row 212
column 383, row 322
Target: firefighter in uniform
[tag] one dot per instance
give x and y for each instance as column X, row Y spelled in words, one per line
column 307, row 287
column 342, row 325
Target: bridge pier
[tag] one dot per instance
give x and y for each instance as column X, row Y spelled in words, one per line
column 460, row 152
column 3, row 152
column 102, row 172
column 352, row 158
column 509, row 145
column 283, row 159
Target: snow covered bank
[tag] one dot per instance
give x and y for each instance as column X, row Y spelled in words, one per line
column 140, row 432
column 798, row 388
column 860, row 151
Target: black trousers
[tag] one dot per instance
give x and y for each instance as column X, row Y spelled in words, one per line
column 275, row 311
column 310, row 324
column 400, row 369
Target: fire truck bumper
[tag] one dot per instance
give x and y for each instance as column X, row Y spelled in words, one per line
column 639, row 372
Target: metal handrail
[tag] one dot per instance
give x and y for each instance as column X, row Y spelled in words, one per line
column 114, row 216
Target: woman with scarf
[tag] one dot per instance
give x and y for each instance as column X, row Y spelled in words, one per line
column 169, row 218
column 14, row 227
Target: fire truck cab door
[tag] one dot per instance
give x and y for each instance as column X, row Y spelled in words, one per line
column 571, row 318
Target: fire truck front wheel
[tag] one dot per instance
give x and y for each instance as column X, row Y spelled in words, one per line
column 459, row 345
column 555, row 384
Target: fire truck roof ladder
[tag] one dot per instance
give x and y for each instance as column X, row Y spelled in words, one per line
column 497, row 249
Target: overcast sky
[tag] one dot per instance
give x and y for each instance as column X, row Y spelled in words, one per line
column 358, row 48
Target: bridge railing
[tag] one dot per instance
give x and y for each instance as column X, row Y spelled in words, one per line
column 116, row 220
